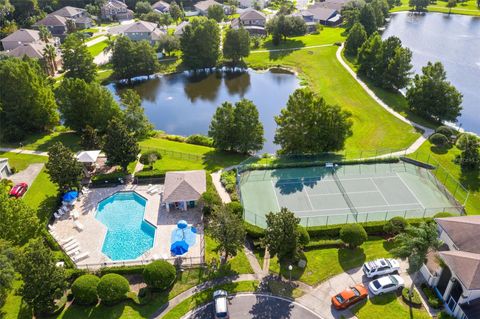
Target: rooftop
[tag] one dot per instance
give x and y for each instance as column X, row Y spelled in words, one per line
column 204, row 5
column 463, row 231
column 23, row 35
column 466, row 267
column 251, row 14
column 32, row 50
column 52, row 20
column 184, row 186
column 68, row 12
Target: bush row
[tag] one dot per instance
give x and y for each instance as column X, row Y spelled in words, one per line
column 414, row 300
column 111, row 178
column 150, row 173
column 432, row 298
column 196, row 139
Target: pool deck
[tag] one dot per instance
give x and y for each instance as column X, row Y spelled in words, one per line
column 90, row 239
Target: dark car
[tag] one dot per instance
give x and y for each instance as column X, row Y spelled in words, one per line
column 18, row 190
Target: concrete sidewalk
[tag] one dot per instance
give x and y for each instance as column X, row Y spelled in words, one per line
column 28, row 175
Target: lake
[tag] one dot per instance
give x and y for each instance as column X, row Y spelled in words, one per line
column 184, row 103
column 453, row 40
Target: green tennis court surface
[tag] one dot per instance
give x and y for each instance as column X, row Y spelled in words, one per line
column 344, row 194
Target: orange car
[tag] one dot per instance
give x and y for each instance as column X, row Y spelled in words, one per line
column 349, row 296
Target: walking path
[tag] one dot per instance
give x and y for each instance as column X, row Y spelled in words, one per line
column 257, row 269
column 96, row 40
column 224, row 196
column 27, row 175
column 22, row 151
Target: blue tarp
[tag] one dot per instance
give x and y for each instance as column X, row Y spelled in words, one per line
column 179, row 247
column 68, row 197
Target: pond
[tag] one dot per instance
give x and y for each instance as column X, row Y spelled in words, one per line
column 453, row 40
column 184, row 103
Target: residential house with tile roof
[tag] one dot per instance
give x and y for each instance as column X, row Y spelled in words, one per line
column 115, row 10
column 183, row 189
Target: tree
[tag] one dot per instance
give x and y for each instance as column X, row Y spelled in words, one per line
column 281, row 235
column 43, row 281
column 451, row 4
column 93, row 9
column 175, row 11
column 112, row 288
column 432, row 96
column 227, row 230
column 50, row 56
column 397, row 73
column 282, row 27
column 77, row 60
column 237, row 128
column 71, row 26
column 367, row 19
column 168, row 43
column 162, row 19
column 353, row 235
column 469, row 159
column 142, row 7
column 26, row 99
column 309, row 125
column 134, row 116
column 414, row 244
column 63, row 167
column 25, row 10
column 355, row 39
column 370, row 55
column 84, row 289
column 121, row 147
column 159, row 274
column 82, row 104
column 419, row 5
column 18, row 222
column 216, row 12
column 90, row 140
column 395, row 226
column 7, row 275
column 131, row 59
column 236, row 44
column 200, row 43
column 150, row 157
column 44, row 34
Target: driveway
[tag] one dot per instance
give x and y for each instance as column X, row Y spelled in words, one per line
column 28, row 175
column 257, row 306
column 319, row 299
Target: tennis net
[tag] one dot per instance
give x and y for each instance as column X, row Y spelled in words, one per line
column 344, row 194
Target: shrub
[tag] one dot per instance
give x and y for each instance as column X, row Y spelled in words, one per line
column 84, row 289
column 444, row 315
column 210, row 199
column 253, row 231
column 236, row 208
column 446, row 130
column 150, row 173
column 175, row 138
column 395, row 226
column 462, row 140
column 229, row 181
column 353, row 235
column 432, row 298
column 159, row 274
column 124, row 270
column 150, row 157
column 199, row 139
column 443, row 215
column 304, row 237
column 414, row 300
column 111, row 178
column 438, row 139
column 112, row 288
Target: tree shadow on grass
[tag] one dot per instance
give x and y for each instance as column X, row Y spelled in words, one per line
column 351, row 258
column 47, row 207
column 297, row 272
column 215, row 160
column 75, row 311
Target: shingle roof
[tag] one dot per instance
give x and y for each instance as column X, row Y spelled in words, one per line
column 115, row 4
column 180, row 28
column 32, row 50
column 23, row 35
column 332, row 4
column 68, row 12
column 252, row 14
column 184, row 186
column 52, row 20
column 466, row 267
column 140, row 26
column 321, row 13
column 204, row 5
column 463, row 231
column 161, row 5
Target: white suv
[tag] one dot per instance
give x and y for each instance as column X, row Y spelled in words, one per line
column 380, row 267
column 386, row 284
column 220, row 304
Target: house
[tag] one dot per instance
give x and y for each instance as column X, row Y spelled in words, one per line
column 161, row 7
column 333, row 4
column 251, row 20
column 180, row 28
column 202, row 7
column 80, row 16
column 141, row 30
column 5, row 170
column 182, row 190
column 255, row 4
column 115, row 10
column 57, row 25
column 318, row 14
column 20, row 37
column 457, row 278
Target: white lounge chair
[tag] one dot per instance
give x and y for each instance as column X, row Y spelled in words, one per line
column 80, row 257
column 50, row 227
column 75, row 214
column 150, row 186
column 72, row 248
column 78, row 225
column 70, row 245
column 153, row 191
column 74, row 252
column 85, row 190
column 66, row 241
column 57, row 215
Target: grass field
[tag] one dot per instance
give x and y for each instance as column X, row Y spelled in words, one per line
column 374, row 128
column 466, row 8
column 326, row 36
column 235, row 265
column 387, row 307
column 97, row 48
column 327, row 262
column 42, row 141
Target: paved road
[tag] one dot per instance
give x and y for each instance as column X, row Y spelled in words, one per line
column 28, row 175
column 250, row 306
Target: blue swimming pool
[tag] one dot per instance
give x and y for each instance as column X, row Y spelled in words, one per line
column 128, row 235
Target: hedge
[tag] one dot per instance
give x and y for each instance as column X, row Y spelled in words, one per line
column 438, row 139
column 159, row 274
column 415, row 300
column 111, row 178
column 432, row 298
column 151, row 173
column 353, row 235
column 112, row 288
column 124, row 270
column 84, row 289
column 198, row 139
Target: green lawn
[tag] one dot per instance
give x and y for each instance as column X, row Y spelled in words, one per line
column 466, row 8
column 387, row 307
column 326, row 36
column 14, row 307
column 205, row 296
column 42, row 141
column 446, row 157
column 374, row 128
column 327, row 262
column 97, row 48
column 235, row 265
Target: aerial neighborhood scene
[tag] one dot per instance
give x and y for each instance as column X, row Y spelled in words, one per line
column 242, row 159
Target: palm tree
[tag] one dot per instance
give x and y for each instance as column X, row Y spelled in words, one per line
column 50, row 54
column 414, row 244
column 44, row 33
column 110, row 43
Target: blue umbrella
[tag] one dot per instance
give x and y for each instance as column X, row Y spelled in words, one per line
column 182, row 224
column 70, row 196
column 179, row 248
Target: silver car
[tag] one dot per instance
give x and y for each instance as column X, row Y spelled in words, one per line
column 220, row 302
column 379, row 267
column 386, row 284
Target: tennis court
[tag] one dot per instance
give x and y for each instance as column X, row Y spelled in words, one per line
column 344, row 194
